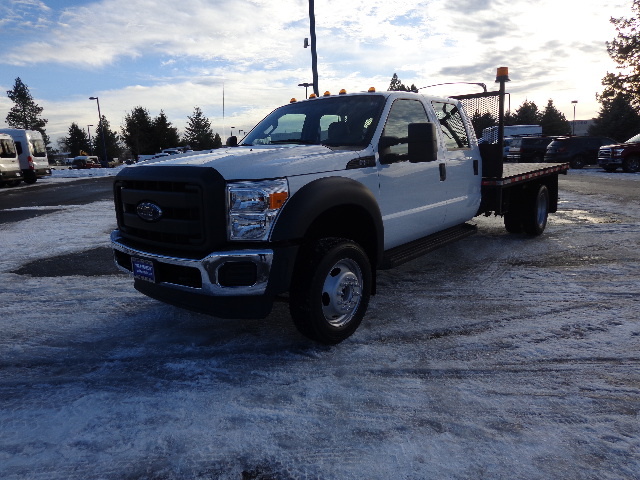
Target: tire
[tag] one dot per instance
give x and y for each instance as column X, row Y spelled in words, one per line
column 631, row 164
column 577, row 162
column 513, row 222
column 330, row 290
column 536, row 211
column 30, row 177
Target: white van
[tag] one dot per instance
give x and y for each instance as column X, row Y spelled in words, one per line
column 10, row 171
column 31, row 152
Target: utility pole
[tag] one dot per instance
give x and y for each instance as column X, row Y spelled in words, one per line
column 314, row 54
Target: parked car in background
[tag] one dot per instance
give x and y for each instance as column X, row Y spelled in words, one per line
column 625, row 155
column 10, row 171
column 578, row 151
column 528, row 149
column 32, row 153
column 85, row 161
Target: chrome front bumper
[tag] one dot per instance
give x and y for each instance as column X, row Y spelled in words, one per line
column 209, row 268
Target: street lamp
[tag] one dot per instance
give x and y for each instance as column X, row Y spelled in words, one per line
column 101, row 123
column 232, row 131
column 89, row 132
column 574, row 116
column 306, row 86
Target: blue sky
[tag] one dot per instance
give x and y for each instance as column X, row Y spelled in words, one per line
column 176, row 55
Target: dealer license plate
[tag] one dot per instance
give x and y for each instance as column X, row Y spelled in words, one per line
column 143, row 269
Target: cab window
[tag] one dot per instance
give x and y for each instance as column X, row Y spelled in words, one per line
column 403, row 112
column 452, row 126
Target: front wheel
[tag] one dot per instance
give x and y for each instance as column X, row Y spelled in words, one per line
column 577, row 162
column 631, row 164
column 330, row 290
column 536, row 211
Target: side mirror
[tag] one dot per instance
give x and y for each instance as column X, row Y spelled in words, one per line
column 423, row 142
column 386, row 142
column 232, row 141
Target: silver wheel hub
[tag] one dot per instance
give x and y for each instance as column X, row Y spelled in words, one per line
column 341, row 292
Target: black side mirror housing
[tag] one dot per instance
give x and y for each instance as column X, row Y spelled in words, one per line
column 232, row 141
column 423, row 142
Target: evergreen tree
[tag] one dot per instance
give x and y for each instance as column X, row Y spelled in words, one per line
column 114, row 150
column 553, row 121
column 25, row 113
column 137, row 132
column 77, row 142
column 617, row 118
column 198, row 133
column 625, row 51
column 217, row 141
column 164, row 134
column 527, row 114
column 397, row 85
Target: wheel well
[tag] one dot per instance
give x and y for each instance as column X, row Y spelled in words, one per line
column 347, row 221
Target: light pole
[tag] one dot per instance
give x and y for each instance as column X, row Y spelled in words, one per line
column 306, row 86
column 101, row 123
column 89, row 132
column 314, row 53
column 232, row 131
column 574, row 117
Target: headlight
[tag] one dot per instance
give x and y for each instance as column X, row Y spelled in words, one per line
column 617, row 152
column 252, row 208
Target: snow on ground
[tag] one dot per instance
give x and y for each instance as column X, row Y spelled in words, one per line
column 497, row 357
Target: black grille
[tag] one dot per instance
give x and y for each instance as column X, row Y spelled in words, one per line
column 191, row 200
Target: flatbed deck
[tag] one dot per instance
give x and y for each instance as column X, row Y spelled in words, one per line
column 514, row 173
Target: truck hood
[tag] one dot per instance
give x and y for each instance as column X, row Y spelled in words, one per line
column 621, row 145
column 263, row 161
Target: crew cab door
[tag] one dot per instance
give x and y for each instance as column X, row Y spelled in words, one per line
column 413, row 196
column 461, row 163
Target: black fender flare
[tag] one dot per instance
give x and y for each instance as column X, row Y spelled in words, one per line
column 319, row 196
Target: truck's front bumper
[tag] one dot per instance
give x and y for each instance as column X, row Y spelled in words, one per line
column 229, row 284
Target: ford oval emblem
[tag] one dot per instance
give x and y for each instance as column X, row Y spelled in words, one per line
column 149, row 211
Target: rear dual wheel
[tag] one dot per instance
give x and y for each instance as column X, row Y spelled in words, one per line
column 330, row 290
column 531, row 214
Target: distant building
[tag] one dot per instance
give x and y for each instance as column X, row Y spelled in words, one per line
column 581, row 127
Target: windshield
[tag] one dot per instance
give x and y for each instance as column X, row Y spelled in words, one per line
column 7, row 149
column 38, row 148
column 336, row 121
column 634, row 139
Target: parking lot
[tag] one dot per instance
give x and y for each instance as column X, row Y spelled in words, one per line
column 497, row 357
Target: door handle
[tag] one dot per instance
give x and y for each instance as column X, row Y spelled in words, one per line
column 443, row 172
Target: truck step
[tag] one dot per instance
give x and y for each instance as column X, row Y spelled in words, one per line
column 412, row 250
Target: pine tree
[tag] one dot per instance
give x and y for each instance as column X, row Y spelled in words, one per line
column 625, row 51
column 25, row 113
column 553, row 121
column 527, row 114
column 397, row 85
column 114, row 150
column 617, row 118
column 164, row 134
column 198, row 133
column 77, row 142
column 137, row 132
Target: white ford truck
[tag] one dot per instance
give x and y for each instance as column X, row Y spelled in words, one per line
column 317, row 198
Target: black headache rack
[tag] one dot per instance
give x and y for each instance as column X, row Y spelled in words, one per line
column 187, row 204
column 485, row 109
